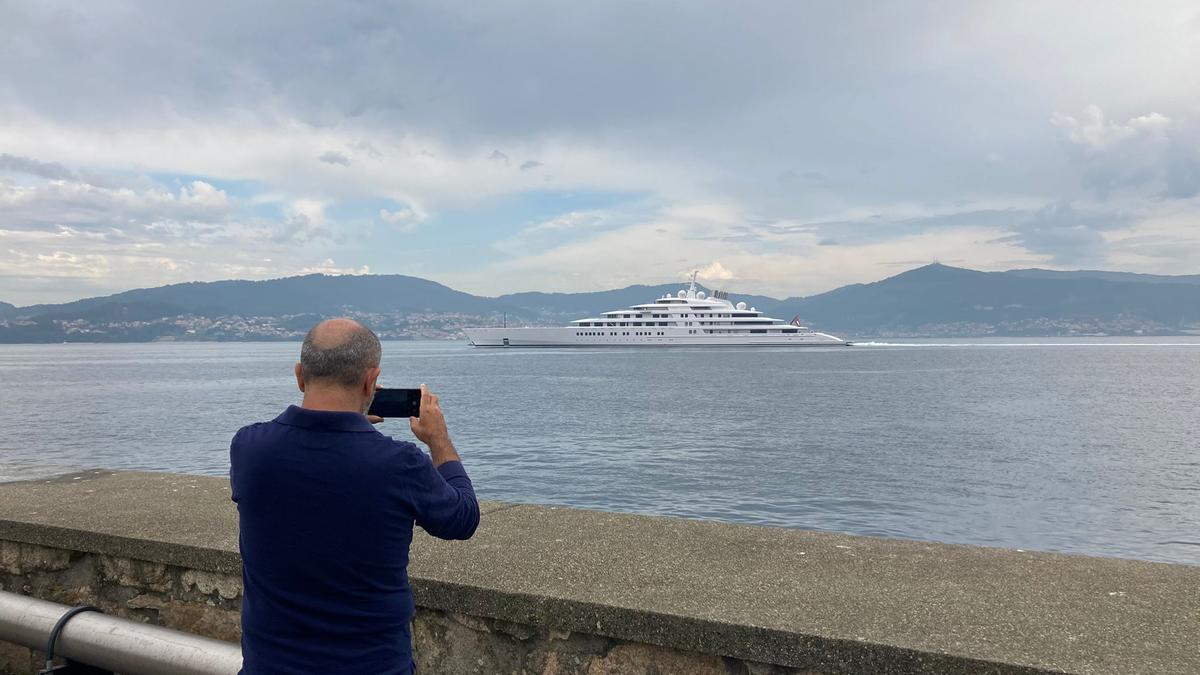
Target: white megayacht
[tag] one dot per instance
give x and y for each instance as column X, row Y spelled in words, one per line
column 689, row 318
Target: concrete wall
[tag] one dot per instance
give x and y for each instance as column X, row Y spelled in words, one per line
column 550, row 590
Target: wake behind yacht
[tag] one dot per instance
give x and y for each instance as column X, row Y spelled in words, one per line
column 688, row 318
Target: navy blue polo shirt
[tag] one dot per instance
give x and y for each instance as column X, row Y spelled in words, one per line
column 326, row 506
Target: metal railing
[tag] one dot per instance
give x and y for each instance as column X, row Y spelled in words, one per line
column 110, row 643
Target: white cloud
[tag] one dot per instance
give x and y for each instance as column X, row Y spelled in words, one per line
column 411, row 169
column 787, row 149
column 1096, row 133
column 328, row 266
column 202, row 194
column 404, row 218
column 62, row 234
column 572, row 220
column 714, row 271
column 778, row 261
column 1152, row 154
column 75, row 203
column 312, row 210
column 554, row 231
column 401, row 216
column 49, row 266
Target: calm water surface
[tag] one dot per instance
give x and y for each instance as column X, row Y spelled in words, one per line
column 1078, row 446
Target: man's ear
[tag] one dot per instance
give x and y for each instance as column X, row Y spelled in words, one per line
column 299, row 378
column 371, row 382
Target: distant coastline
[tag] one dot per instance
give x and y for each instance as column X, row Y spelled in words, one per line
column 934, row 301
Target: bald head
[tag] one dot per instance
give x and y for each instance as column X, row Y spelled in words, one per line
column 339, row 352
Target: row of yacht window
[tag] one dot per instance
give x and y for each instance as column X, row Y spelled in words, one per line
column 648, row 315
column 690, row 332
column 646, row 333
column 765, row 322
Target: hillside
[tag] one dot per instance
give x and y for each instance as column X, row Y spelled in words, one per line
column 311, row 294
column 1014, row 302
column 934, row 300
column 1035, row 273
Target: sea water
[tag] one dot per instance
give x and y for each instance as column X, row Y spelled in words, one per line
column 1084, row 446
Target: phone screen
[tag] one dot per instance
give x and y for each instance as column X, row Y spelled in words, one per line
column 396, row 403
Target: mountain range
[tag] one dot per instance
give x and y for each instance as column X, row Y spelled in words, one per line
column 1016, row 302
column 931, row 300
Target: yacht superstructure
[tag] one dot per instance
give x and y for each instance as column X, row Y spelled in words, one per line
column 689, row 318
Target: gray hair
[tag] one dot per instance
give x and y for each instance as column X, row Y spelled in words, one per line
column 343, row 362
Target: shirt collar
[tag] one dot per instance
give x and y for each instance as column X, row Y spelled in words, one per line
column 324, row 420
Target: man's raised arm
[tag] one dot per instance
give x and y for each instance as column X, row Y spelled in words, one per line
column 448, row 508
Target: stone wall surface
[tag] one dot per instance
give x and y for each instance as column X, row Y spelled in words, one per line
column 546, row 590
column 194, row 601
column 208, row 603
column 447, row 643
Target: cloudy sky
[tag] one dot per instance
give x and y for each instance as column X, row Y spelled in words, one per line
column 780, row 147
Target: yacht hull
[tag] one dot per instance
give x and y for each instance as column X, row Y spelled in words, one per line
column 570, row 337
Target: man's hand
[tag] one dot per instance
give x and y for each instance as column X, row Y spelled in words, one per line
column 430, row 429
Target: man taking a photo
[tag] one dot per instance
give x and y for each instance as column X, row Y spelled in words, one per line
column 326, row 508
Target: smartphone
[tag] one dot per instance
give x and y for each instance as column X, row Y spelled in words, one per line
column 396, row 403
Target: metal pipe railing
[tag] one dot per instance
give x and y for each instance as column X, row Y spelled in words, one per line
column 119, row 645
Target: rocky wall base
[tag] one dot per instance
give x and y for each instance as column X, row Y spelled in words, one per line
column 207, row 603
column 198, row 602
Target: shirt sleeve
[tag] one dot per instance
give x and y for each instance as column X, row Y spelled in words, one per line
column 234, row 460
column 443, row 499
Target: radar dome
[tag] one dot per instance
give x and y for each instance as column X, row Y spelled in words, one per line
column 682, row 294
column 753, row 309
column 701, row 295
column 741, row 305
